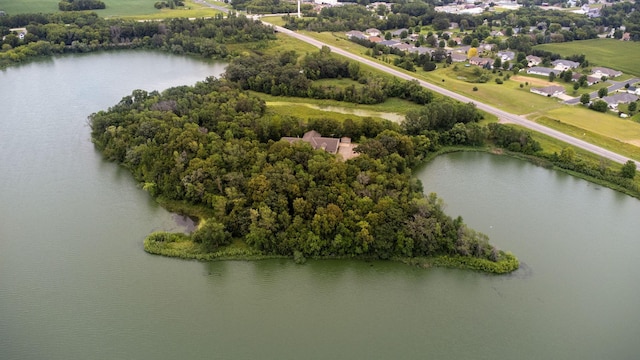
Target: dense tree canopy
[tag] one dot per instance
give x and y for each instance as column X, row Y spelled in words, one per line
column 212, row 145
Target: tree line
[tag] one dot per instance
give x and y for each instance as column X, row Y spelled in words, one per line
column 49, row 34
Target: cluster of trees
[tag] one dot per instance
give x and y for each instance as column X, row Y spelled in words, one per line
column 200, row 144
column 270, row 6
column 282, row 75
column 171, row 4
column 78, row 5
column 49, row 34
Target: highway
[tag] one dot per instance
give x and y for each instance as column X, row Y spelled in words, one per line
column 501, row 114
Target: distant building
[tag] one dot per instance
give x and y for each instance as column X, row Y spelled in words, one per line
column 533, row 60
column 563, row 65
column 543, row 71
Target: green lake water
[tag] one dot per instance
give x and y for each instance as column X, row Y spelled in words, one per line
column 75, row 282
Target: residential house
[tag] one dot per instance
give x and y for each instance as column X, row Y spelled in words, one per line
column 330, row 145
column 373, row 32
column 376, row 39
column 484, row 62
column 506, row 55
column 485, row 48
column 397, row 33
column 533, row 60
column 496, row 33
column 457, row 57
column 549, row 91
column 602, row 71
column 619, row 98
column 563, row 65
column 422, row 50
column 591, row 80
column 402, row 46
column 355, row 34
column 543, row 71
column 389, row 43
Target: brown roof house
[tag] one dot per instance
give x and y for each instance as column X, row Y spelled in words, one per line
column 330, row 145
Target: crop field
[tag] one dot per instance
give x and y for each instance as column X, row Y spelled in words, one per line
column 115, row 8
column 616, row 54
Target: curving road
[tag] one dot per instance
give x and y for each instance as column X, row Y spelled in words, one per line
column 501, row 114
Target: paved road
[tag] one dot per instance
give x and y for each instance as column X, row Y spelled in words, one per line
column 617, row 85
column 502, row 115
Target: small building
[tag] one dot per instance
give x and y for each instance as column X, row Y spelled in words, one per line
column 602, row 71
column 397, row 33
column 376, row 39
column 549, row 91
column 389, row 43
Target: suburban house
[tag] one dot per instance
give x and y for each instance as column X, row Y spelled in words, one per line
column 590, row 79
column 376, row 39
column 457, row 57
column 397, row 33
column 553, row 90
column 422, row 50
column 543, row 71
column 602, row 71
column 506, row 55
column 389, row 43
column 355, row 34
column 533, row 60
column 563, row 65
column 402, row 46
column 476, row 60
column 619, row 98
column 373, row 32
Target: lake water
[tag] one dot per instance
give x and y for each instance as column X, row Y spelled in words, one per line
column 75, row 282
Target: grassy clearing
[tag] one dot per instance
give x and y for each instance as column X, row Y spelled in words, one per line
column 310, row 108
column 190, row 10
column 608, row 143
column 13, row 7
column 616, row 54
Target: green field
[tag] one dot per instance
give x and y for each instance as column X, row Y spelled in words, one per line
column 115, row 8
column 615, row 54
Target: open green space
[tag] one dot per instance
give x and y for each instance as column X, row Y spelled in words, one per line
column 612, row 53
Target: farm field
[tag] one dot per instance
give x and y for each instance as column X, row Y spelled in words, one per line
column 115, row 8
column 612, row 53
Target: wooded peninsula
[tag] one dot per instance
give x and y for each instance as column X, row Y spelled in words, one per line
column 213, row 151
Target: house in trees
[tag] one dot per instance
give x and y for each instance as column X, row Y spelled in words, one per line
column 318, row 142
column 483, row 62
column 590, row 79
column 373, row 32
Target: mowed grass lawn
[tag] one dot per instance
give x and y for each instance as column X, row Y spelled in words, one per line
column 115, row 8
column 611, row 53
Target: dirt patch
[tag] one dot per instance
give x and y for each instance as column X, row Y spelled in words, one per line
column 346, row 151
column 633, row 142
column 531, row 81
